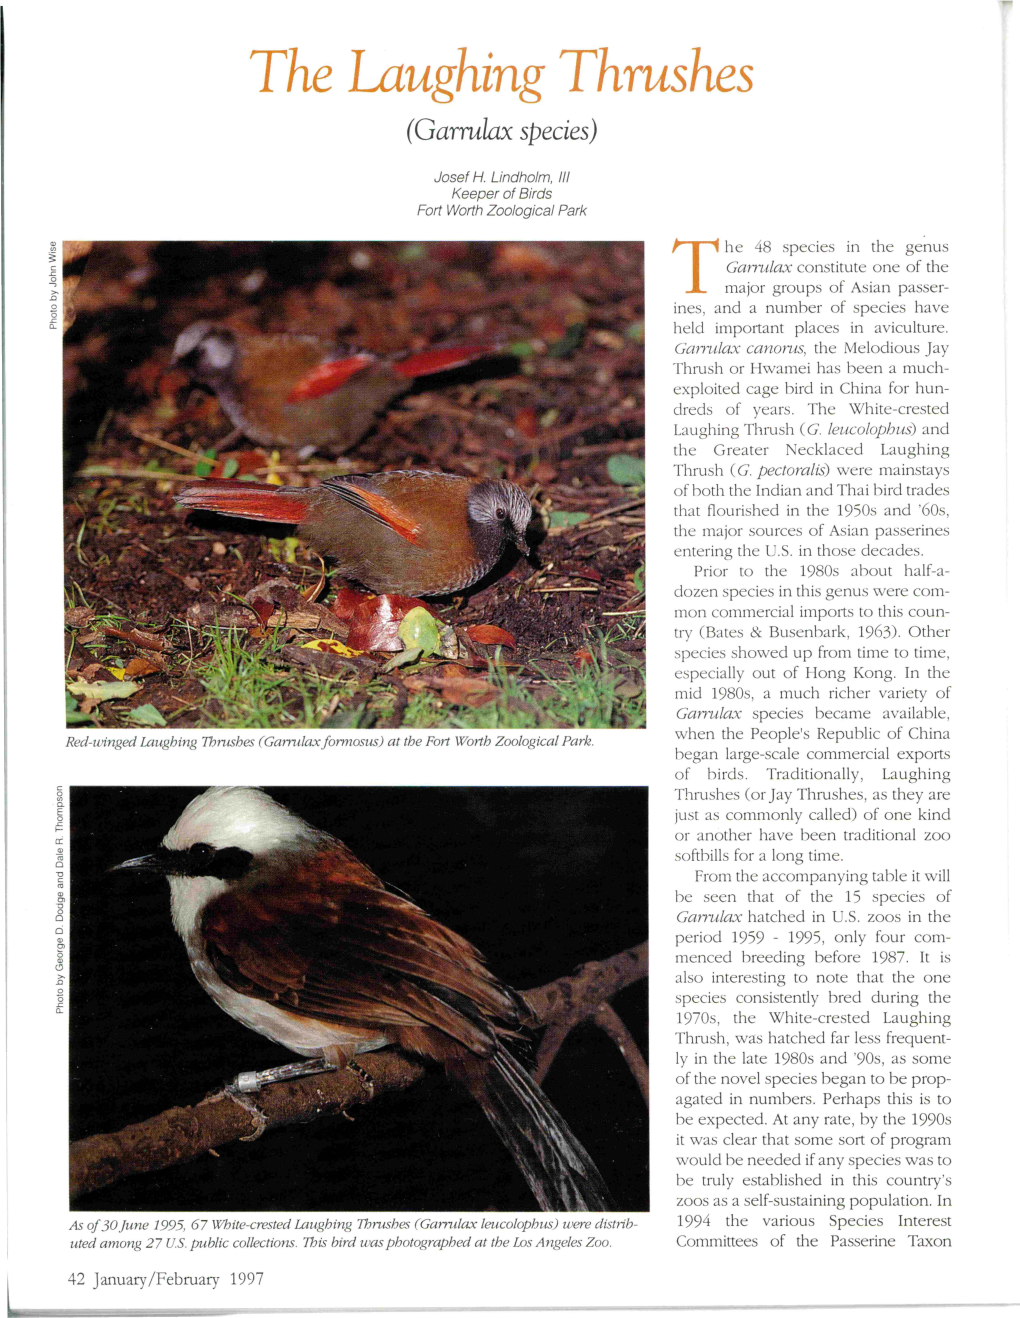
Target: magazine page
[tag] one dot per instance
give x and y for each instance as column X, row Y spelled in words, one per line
column 463, row 826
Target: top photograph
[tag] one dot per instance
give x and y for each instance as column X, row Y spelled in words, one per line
column 354, row 485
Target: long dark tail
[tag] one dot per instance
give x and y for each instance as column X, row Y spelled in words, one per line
column 560, row 1173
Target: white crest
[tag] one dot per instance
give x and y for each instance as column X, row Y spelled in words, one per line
column 243, row 817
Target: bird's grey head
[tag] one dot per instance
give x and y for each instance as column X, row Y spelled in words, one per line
column 500, row 509
column 206, row 350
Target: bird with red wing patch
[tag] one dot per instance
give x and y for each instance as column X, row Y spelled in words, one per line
column 301, row 391
column 404, row 532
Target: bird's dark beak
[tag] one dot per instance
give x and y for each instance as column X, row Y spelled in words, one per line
column 153, row 864
column 521, row 542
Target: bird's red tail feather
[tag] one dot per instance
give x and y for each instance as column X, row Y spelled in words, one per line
column 261, row 503
column 433, row 360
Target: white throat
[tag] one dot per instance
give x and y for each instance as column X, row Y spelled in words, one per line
column 188, row 899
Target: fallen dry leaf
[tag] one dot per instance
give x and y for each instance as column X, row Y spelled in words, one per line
column 324, row 662
column 485, row 634
column 527, row 259
column 144, row 640
column 263, row 609
column 144, row 665
column 453, row 684
column 96, row 673
column 313, row 592
column 472, row 691
column 526, row 421
column 204, row 613
column 102, row 690
column 375, row 622
column 347, row 600
column 245, row 461
column 551, row 328
column 292, row 608
column 331, row 646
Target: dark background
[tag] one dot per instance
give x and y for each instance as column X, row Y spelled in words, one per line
column 541, row 879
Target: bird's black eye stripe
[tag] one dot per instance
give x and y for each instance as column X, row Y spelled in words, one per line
column 201, row 859
column 229, row 863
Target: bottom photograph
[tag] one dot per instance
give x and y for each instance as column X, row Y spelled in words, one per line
column 359, row 999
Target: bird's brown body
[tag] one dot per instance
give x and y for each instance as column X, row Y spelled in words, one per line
column 301, row 391
column 294, row 937
column 329, row 942
column 407, row 532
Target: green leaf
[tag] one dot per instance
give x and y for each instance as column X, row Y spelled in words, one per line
column 411, row 252
column 572, row 340
column 419, row 628
column 285, row 550
column 561, row 518
column 204, row 466
column 636, row 331
column 420, row 633
column 230, row 468
column 639, row 579
column 148, row 715
column 72, row 714
column 626, row 469
column 103, row 690
column 520, row 348
column 402, row 659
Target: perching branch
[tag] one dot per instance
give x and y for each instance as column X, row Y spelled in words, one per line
column 183, row 1133
column 607, row 1019
column 566, row 1002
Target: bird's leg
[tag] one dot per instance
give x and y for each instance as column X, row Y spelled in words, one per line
column 333, row 1059
column 250, row 1082
column 341, row 1061
column 253, row 1110
column 226, row 440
